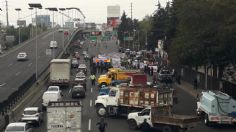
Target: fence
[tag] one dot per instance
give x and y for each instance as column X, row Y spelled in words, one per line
column 213, row 83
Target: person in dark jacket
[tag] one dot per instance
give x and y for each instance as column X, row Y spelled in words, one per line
column 102, row 125
column 145, row 127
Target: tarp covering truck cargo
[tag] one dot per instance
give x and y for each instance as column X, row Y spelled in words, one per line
column 60, row 72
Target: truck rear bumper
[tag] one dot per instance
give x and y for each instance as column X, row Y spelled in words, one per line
column 222, row 119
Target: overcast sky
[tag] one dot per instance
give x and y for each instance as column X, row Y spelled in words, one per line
column 94, row 10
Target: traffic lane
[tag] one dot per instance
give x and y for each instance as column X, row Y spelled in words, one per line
column 24, row 70
column 187, row 105
column 10, row 65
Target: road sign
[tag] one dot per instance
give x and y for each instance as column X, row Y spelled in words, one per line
column 93, row 38
column 128, row 38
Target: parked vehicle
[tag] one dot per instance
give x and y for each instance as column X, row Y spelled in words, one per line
column 216, row 107
column 74, row 63
column 22, row 56
column 53, row 44
column 84, row 52
column 49, row 96
column 18, row 127
column 124, row 99
column 82, row 68
column 78, row 91
column 165, row 75
column 64, row 116
column 115, row 74
column 104, row 90
column 60, row 72
column 32, row 115
column 77, row 56
column 161, row 117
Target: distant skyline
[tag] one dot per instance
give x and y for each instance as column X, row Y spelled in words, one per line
column 94, row 10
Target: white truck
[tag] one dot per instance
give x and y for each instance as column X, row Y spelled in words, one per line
column 124, row 99
column 60, row 72
column 161, row 118
column 64, row 116
column 216, row 107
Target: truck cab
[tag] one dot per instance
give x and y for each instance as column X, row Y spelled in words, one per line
column 107, row 100
column 135, row 119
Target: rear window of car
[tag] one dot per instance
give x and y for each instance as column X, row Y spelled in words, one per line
column 15, row 128
column 30, row 112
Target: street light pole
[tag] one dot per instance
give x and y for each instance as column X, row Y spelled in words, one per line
column 36, row 5
column 62, row 21
column 18, row 10
column 31, row 32
column 53, row 35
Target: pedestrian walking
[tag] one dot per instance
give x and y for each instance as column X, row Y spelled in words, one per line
column 93, row 78
column 145, row 127
column 102, row 125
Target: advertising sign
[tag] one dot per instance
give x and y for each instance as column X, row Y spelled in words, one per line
column 113, row 22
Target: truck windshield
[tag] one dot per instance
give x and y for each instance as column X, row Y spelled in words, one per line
column 146, row 112
column 112, row 93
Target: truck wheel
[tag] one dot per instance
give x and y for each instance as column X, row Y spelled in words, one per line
column 38, row 123
column 101, row 111
column 132, row 124
column 166, row 129
column 206, row 120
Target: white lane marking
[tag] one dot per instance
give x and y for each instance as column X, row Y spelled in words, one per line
column 29, row 65
column 2, row 84
column 91, row 103
column 91, row 90
column 89, row 125
column 17, row 73
column 10, row 65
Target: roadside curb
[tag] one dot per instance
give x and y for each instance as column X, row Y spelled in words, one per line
column 189, row 89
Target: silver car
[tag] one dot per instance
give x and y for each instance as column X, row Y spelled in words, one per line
column 18, row 127
column 22, row 56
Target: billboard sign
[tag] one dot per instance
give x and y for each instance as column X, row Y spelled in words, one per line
column 113, row 22
column 113, row 11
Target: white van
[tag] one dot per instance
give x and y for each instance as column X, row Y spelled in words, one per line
column 50, row 96
column 53, row 44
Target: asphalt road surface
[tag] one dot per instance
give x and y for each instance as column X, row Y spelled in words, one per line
column 13, row 73
column 186, row 104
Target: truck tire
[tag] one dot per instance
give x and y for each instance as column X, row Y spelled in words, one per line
column 38, row 124
column 101, row 111
column 166, row 129
column 132, row 124
column 206, row 120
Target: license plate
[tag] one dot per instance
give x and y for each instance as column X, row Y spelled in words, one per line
column 78, row 94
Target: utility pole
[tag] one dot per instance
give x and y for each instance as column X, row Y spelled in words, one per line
column 131, row 11
column 7, row 13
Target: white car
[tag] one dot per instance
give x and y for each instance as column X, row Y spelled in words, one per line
column 53, row 44
column 49, row 96
column 18, row 127
column 32, row 115
column 54, row 88
column 22, row 56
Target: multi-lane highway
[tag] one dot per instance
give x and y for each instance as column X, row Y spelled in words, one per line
column 186, row 103
column 13, row 73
